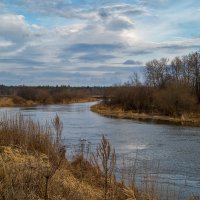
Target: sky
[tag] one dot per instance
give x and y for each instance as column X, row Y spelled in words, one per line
column 91, row 42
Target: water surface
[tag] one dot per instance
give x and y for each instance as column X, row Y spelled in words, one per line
column 175, row 149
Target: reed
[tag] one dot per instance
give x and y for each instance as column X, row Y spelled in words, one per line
column 33, row 165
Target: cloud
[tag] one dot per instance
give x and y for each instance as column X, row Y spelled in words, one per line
column 179, row 46
column 22, row 61
column 132, row 62
column 64, row 42
column 141, row 52
column 60, row 8
column 117, row 23
column 167, row 48
column 105, row 68
column 16, row 33
column 122, row 9
column 79, row 9
column 155, row 3
column 70, row 29
column 96, row 58
column 88, row 47
column 13, row 32
column 114, row 17
column 13, row 28
column 7, row 75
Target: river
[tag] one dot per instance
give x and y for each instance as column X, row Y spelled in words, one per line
column 172, row 150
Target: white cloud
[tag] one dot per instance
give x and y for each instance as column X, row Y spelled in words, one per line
column 70, row 29
column 6, row 44
column 89, row 36
column 118, row 23
column 123, row 9
column 16, row 34
column 13, row 28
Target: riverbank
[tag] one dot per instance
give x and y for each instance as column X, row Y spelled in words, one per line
column 116, row 112
column 34, row 165
column 20, row 102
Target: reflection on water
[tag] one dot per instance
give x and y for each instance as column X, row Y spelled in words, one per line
column 175, row 148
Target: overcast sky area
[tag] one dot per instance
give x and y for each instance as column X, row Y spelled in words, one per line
column 91, row 42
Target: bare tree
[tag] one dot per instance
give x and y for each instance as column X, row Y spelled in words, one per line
column 156, row 72
column 194, row 62
column 176, row 69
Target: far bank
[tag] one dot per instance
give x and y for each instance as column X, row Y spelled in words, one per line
column 20, row 102
column 117, row 112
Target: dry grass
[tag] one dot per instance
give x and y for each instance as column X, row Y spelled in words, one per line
column 33, row 163
column 18, row 101
column 15, row 101
column 21, row 174
column 6, row 101
column 23, row 177
column 17, row 131
column 33, row 166
column 80, row 100
column 117, row 112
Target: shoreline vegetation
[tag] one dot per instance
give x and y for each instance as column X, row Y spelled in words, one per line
column 12, row 96
column 34, row 165
column 169, row 93
column 19, row 102
column 192, row 120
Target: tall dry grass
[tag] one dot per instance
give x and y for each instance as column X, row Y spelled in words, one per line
column 33, row 165
column 18, row 131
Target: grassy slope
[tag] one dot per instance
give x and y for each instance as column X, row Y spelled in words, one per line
column 30, row 157
column 24, row 178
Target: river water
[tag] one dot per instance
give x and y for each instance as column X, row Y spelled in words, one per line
column 172, row 150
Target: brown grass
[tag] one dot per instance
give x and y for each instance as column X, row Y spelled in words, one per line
column 5, row 101
column 188, row 119
column 33, row 165
column 18, row 101
column 23, row 177
column 15, row 101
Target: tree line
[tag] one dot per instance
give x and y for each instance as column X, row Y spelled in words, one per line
column 169, row 88
column 49, row 94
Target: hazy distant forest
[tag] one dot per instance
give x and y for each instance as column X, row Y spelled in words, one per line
column 170, row 88
column 48, row 94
